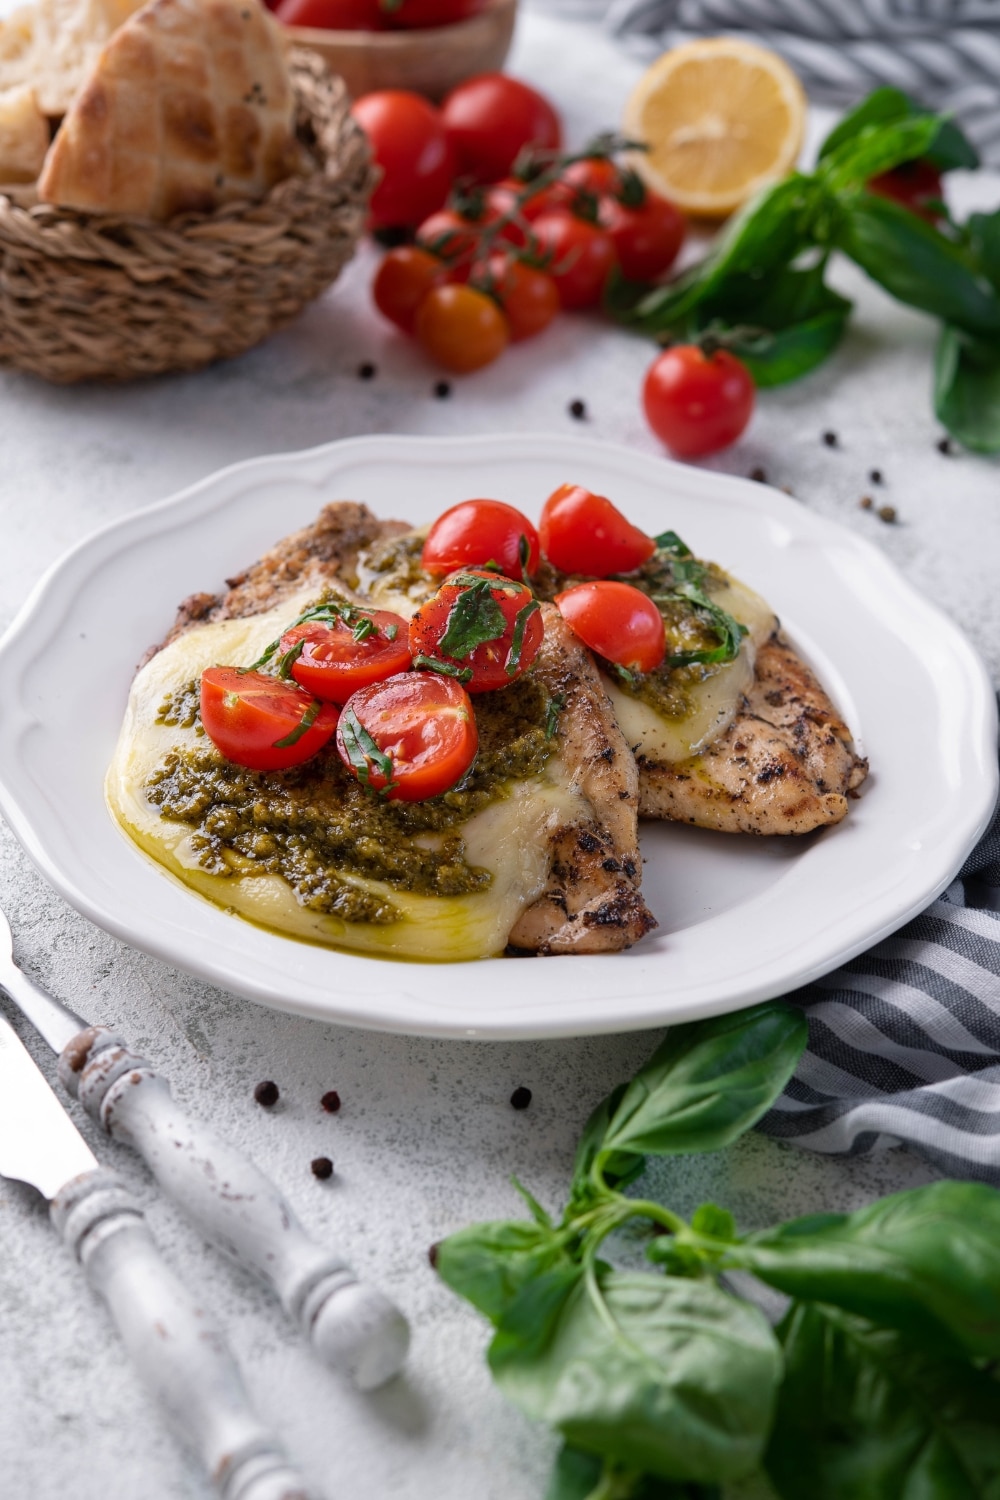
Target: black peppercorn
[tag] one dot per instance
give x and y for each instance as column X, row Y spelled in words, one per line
column 520, row 1098
column 367, row 371
column 266, row 1093
column 432, row 1256
column 330, row 1102
column 944, row 445
column 322, row 1167
column 830, row 439
column 578, row 410
column 876, row 477
column 442, row 390
column 758, row 474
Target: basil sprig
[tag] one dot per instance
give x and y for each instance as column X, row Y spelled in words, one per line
column 664, row 1383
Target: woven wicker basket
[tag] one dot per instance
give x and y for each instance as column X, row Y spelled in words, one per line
column 84, row 296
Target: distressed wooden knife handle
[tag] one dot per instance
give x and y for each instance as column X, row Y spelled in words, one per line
column 351, row 1326
column 179, row 1353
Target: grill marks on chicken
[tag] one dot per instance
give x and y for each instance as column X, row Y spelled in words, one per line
column 787, row 763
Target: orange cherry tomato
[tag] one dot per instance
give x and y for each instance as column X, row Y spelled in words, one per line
column 479, row 532
column 528, row 296
column 262, row 722
column 584, row 533
column 402, row 281
column 480, row 629
column 337, row 657
column 620, row 623
column 410, row 737
column 461, row 328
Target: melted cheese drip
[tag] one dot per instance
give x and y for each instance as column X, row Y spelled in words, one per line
column 509, row 838
column 715, row 702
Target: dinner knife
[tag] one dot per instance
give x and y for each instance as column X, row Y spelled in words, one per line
column 181, row 1356
column 350, row 1325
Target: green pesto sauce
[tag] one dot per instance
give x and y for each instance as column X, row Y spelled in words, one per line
column 315, row 820
column 393, row 566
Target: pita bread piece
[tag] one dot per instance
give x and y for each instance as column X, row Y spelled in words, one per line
column 190, row 106
column 53, row 46
column 24, row 135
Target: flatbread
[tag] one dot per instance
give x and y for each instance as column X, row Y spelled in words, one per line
column 24, row 135
column 53, row 46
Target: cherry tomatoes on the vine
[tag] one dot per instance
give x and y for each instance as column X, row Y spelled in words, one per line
column 410, row 737
column 581, row 256
column 452, row 237
column 584, row 533
column 336, row 657
column 697, row 403
column 479, row 629
column 620, row 623
column 476, row 532
column 528, row 296
column 646, row 239
column 411, row 146
column 402, row 281
column 491, row 118
column 461, row 328
column 262, row 722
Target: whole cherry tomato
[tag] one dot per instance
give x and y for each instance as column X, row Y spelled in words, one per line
column 262, row 722
column 452, row 237
column 528, row 296
column 413, row 15
column 646, row 239
column 410, row 737
column 491, row 118
column 411, row 146
column 332, row 15
column 584, row 533
column 581, row 256
column 620, row 623
column 479, row 628
column 477, row 532
column 336, row 657
column 914, row 184
column 697, row 403
column 593, row 174
column 461, row 328
column 402, row 281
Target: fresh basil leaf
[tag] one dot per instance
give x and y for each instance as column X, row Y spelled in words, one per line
column 618, row 1168
column 669, row 541
column 949, row 149
column 709, row 1082
column 714, row 1222
column 876, row 149
column 575, row 1476
column 730, row 632
column 513, row 663
column 983, row 232
column 967, row 389
column 795, row 351
column 925, row 1261
column 670, row 1377
column 583, row 1476
column 864, row 1415
column 918, row 265
column 474, row 618
column 532, row 1315
column 488, row 1264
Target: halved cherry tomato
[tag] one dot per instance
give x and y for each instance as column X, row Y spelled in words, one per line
column 403, row 280
column 461, row 328
column 697, row 403
column 646, row 239
column 528, row 296
column 480, row 629
column 620, row 623
column 584, row 533
column 409, row 738
column 490, row 118
column 411, row 146
column 251, row 718
column 479, row 532
column 581, row 256
column 337, row 657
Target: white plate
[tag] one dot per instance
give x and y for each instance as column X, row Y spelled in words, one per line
column 741, row 919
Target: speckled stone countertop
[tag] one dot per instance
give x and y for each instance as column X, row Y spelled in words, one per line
column 426, row 1138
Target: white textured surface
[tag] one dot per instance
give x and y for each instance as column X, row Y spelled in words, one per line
column 426, row 1138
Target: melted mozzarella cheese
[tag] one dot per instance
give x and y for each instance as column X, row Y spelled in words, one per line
column 715, row 702
column 509, row 838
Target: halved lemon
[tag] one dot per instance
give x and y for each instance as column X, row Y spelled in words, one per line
column 721, row 117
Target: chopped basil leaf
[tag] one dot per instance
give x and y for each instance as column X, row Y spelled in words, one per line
column 513, row 663
column 470, row 580
column 730, row 632
column 306, row 723
column 262, row 660
column 631, row 678
column 556, row 705
column 446, row 668
column 474, row 618
column 669, row 541
column 390, row 632
column 363, row 629
column 362, row 750
column 283, row 668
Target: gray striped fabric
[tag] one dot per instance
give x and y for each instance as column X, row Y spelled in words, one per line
column 946, row 53
column 904, row 1042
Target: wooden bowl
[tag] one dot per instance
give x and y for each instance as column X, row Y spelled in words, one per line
column 430, row 62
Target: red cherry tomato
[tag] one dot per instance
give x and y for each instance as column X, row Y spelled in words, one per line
column 491, row 118
column 697, row 404
column 413, row 15
column 528, row 296
column 482, row 629
column 477, row 532
column 500, row 199
column 248, row 716
column 584, row 533
column 332, row 15
column 338, row 657
column 914, row 184
column 452, row 237
column 460, row 328
column 582, row 256
column 411, row 146
column 646, row 239
column 402, row 281
column 594, row 174
column 620, row 623
column 409, row 738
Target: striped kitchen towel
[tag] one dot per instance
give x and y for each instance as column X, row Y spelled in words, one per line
column 904, row 1042
column 946, row 53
